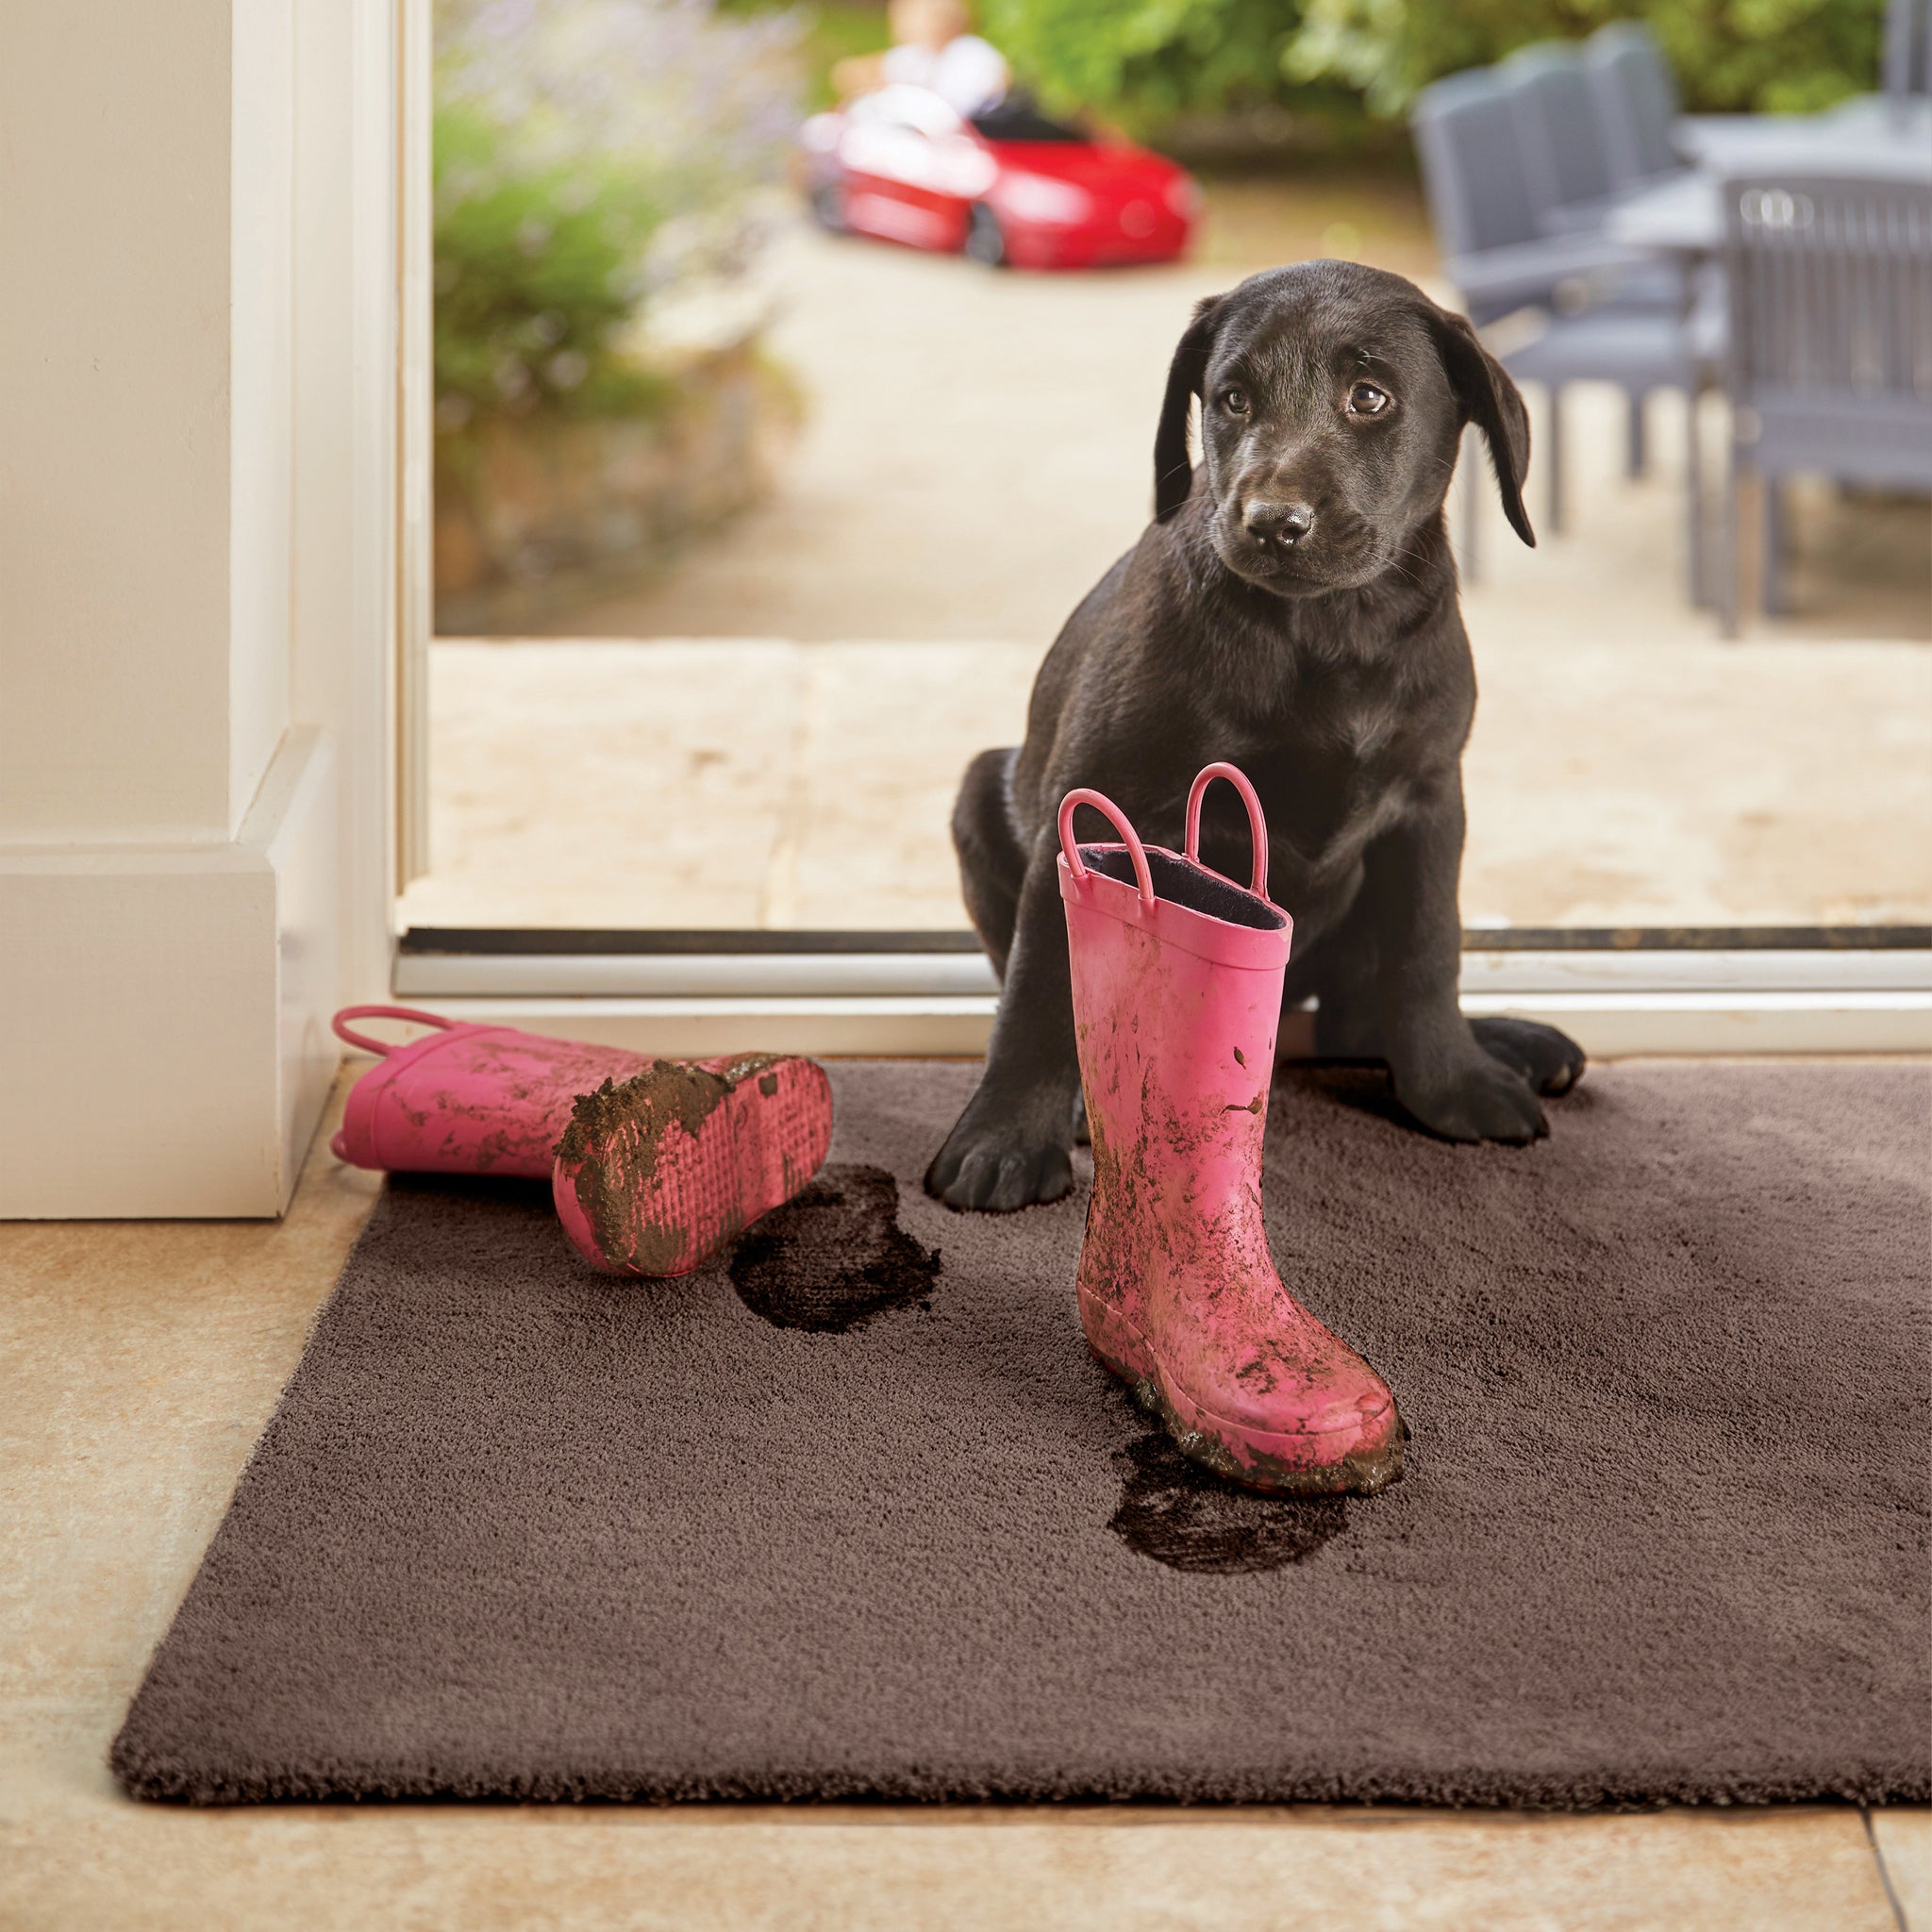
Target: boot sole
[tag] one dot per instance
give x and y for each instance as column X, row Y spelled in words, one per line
column 656, row 1175
column 1266, row 1461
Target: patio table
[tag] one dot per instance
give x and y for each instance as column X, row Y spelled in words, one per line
column 1683, row 215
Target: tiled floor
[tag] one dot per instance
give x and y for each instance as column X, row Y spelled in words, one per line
column 139, row 1363
column 712, row 783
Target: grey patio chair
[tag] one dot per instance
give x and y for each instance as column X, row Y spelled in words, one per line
column 1566, row 160
column 1829, row 368
column 1903, row 105
column 1636, row 96
column 1561, row 140
column 1489, row 214
column 1639, row 350
column 1907, row 65
column 1491, row 196
column 1559, row 133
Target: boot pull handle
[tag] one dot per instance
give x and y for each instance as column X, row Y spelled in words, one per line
column 1258, row 826
column 1135, row 851
column 380, row 1048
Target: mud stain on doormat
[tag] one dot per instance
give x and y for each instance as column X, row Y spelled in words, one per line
column 1187, row 1517
column 833, row 1257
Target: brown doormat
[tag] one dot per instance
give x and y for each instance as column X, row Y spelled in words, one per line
column 857, row 1515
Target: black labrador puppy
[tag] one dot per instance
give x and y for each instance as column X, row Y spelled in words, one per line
column 1291, row 608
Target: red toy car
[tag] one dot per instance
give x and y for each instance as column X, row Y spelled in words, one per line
column 1009, row 188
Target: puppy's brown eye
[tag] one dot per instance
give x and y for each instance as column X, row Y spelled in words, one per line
column 1365, row 399
column 1235, row 401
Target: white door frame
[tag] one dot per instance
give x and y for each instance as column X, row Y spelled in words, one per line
column 199, row 589
column 1617, row 1005
column 415, row 436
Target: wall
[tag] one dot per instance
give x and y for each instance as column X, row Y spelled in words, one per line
column 184, row 713
column 114, row 424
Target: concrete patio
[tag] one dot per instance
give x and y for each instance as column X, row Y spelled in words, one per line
column 770, row 735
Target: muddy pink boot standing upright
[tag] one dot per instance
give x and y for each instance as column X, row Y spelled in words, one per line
column 1177, row 977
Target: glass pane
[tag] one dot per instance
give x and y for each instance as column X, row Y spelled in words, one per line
column 751, row 534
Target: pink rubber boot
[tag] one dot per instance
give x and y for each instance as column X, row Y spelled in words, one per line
column 1177, row 977
column 654, row 1164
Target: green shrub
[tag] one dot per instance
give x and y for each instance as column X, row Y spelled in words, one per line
column 1770, row 56
column 588, row 154
column 536, row 270
column 1778, row 57
column 1144, row 61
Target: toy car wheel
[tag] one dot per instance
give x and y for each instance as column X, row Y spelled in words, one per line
column 985, row 240
column 828, row 207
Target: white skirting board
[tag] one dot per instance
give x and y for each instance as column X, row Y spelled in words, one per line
column 1608, row 1025
column 1618, row 1004
column 166, row 1042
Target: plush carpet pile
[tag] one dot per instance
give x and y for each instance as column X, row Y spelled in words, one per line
column 856, row 1514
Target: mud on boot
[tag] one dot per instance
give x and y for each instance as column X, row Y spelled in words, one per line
column 656, row 1173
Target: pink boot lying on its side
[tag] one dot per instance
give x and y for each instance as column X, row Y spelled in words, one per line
column 1177, row 979
column 657, row 1173
column 654, row 1164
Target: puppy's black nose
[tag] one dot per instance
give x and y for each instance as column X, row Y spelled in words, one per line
column 1277, row 524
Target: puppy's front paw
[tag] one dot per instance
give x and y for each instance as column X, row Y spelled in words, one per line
column 995, row 1164
column 1551, row 1061
column 1475, row 1098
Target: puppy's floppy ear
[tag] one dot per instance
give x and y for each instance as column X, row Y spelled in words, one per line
column 1172, row 474
column 1485, row 396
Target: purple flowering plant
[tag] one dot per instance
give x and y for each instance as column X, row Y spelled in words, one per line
column 589, row 154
